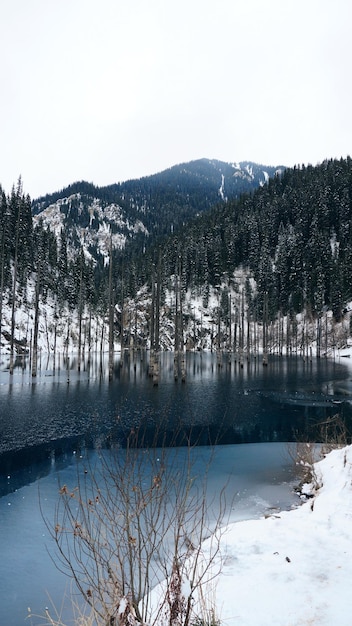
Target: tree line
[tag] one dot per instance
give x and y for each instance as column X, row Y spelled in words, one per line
column 293, row 234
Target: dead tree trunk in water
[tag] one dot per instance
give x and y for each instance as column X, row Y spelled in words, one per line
column 265, row 329
column 288, row 334
column 36, row 322
column 241, row 337
column 230, row 328
column 255, row 334
column 179, row 356
column 156, row 371
column 14, row 282
column 2, row 260
column 55, row 339
column 318, row 336
column 182, row 347
column 111, row 316
column 218, row 343
column 122, row 325
column 235, row 333
column 248, row 337
column 154, row 365
column 176, row 345
column 80, row 311
column 152, row 328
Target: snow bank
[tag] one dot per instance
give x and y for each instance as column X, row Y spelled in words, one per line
column 293, row 568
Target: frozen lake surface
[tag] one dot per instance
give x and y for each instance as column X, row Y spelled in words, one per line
column 48, row 424
column 258, row 478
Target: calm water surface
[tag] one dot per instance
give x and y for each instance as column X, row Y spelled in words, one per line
column 64, row 408
column 46, row 427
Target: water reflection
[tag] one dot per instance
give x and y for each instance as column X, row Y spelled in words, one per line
column 46, row 423
column 63, row 408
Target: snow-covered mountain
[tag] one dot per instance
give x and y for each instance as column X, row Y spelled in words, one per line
column 88, row 223
column 137, row 211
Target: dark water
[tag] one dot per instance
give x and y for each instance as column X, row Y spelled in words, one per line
column 46, row 426
column 64, row 409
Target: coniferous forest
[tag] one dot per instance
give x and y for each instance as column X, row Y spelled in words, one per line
column 290, row 237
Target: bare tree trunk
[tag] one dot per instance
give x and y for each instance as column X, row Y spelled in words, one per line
column 2, row 277
column 235, row 334
column 156, row 313
column 102, row 337
column 176, row 344
column 181, row 336
column 318, row 336
column 241, row 338
column 265, row 330
column 111, row 317
column 230, row 329
column 288, row 334
column 90, row 334
column 36, row 319
column 152, row 330
column 55, row 336
column 179, row 356
column 14, row 283
column 80, row 306
column 218, row 343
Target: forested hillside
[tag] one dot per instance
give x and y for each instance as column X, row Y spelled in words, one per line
column 289, row 240
column 136, row 212
column 294, row 234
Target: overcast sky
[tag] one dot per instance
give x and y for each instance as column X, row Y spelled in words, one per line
column 107, row 90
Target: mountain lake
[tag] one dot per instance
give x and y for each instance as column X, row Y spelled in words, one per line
column 246, row 419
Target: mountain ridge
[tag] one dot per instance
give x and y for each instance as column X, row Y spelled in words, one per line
column 138, row 210
column 237, row 166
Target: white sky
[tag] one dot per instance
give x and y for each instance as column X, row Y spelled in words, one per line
column 107, row 90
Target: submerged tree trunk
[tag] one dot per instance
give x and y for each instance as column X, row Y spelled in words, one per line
column 176, row 345
column 179, row 357
column 235, row 333
column 230, row 329
column 152, row 329
column 218, row 343
column 265, row 330
column 80, row 312
column 155, row 326
column 2, row 274
column 156, row 371
column 14, row 283
column 241, row 337
column 111, row 317
column 318, row 336
column 36, row 324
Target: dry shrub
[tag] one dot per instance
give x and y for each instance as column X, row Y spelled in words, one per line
column 137, row 520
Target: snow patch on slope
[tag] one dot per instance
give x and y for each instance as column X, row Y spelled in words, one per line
column 222, row 187
column 101, row 220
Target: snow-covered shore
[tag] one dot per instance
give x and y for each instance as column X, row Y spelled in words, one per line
column 60, row 330
column 294, row 567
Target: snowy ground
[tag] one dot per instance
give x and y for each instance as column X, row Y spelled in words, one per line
column 295, row 567
column 59, row 328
